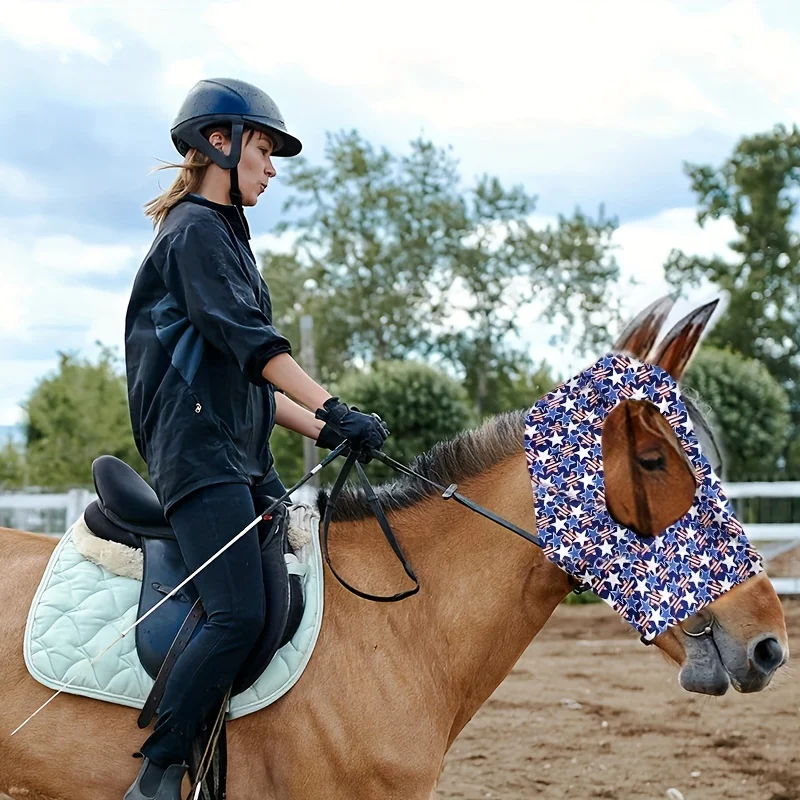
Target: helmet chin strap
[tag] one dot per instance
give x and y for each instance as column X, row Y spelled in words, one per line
column 236, row 198
column 237, row 134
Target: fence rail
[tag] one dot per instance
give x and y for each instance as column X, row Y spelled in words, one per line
column 54, row 513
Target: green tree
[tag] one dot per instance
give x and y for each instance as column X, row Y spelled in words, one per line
column 421, row 405
column 390, row 253
column 12, row 466
column 756, row 188
column 287, row 450
column 74, row 415
column 749, row 407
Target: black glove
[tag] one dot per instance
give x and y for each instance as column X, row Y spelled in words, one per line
column 362, row 431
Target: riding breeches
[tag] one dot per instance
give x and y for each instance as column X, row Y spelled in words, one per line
column 232, row 592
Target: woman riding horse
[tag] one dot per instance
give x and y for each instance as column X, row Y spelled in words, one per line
column 208, row 378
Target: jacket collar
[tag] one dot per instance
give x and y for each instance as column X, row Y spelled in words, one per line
column 231, row 213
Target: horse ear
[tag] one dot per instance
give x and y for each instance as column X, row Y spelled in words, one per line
column 641, row 333
column 676, row 350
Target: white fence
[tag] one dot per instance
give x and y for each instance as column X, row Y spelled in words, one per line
column 772, row 538
column 54, row 513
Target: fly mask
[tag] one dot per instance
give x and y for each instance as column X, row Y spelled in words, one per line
column 652, row 582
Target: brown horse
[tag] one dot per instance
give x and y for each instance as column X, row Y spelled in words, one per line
column 390, row 686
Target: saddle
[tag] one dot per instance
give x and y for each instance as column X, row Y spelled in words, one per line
column 128, row 512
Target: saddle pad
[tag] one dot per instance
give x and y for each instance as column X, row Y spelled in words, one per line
column 80, row 608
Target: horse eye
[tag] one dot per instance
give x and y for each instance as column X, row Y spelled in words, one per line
column 652, row 461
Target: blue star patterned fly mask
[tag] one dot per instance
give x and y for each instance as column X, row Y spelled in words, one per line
column 654, row 582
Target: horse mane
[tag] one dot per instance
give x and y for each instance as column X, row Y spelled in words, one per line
column 464, row 456
column 472, row 452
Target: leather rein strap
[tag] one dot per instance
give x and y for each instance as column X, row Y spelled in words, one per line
column 447, row 493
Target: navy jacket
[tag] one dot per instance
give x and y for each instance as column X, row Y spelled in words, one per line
column 198, row 333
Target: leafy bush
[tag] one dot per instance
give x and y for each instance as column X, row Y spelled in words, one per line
column 421, row 406
column 749, row 409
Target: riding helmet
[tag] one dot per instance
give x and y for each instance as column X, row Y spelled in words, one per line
column 226, row 100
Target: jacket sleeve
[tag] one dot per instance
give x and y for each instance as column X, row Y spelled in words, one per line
column 203, row 269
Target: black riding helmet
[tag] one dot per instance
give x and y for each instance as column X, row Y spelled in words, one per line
column 239, row 104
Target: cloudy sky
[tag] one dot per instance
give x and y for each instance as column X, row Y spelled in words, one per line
column 583, row 102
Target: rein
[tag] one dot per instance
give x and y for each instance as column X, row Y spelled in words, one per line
column 447, row 493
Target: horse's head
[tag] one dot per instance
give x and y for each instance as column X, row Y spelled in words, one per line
column 740, row 638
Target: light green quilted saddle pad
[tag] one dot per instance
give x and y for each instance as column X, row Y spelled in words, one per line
column 80, row 608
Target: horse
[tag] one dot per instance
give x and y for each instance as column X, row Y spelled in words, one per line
column 390, row 686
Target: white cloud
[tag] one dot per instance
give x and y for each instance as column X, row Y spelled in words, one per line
column 20, row 186
column 37, row 25
column 69, row 256
column 657, row 66
column 44, row 288
column 19, row 377
column 643, row 247
column 646, row 244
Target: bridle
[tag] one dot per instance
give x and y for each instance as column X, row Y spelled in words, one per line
column 353, row 459
column 707, row 630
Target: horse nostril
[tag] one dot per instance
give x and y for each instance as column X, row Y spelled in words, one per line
column 767, row 654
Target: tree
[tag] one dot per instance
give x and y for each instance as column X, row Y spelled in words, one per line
column 75, row 415
column 391, row 254
column 421, row 405
column 12, row 466
column 756, row 188
column 287, row 450
column 749, row 407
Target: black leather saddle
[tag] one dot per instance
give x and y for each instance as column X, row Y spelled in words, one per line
column 127, row 511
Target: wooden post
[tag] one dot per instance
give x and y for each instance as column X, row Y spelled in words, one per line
column 308, row 361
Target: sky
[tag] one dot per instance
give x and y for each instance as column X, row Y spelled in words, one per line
column 582, row 102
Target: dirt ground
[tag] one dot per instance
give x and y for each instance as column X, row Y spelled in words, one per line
column 590, row 712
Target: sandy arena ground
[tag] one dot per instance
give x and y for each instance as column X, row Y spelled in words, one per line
column 590, row 712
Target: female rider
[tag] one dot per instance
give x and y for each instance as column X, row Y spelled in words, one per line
column 208, row 377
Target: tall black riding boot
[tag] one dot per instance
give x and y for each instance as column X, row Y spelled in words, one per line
column 157, row 783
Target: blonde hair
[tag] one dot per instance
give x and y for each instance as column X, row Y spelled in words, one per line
column 192, row 172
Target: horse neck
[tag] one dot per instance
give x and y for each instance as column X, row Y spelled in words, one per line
column 485, row 591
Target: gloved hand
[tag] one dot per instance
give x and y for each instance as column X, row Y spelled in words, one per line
column 362, row 431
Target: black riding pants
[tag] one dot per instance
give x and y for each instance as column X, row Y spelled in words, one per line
column 232, row 591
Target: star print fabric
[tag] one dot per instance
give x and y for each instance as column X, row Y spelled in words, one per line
column 652, row 583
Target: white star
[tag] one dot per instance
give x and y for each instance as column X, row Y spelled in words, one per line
column 612, row 580
column 655, row 616
column 696, row 579
column 730, row 560
column 555, row 439
column 606, row 548
column 726, row 585
column 665, row 597
column 563, row 551
column 582, row 538
column 641, row 587
column 617, row 377
column 705, row 559
column 689, row 597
